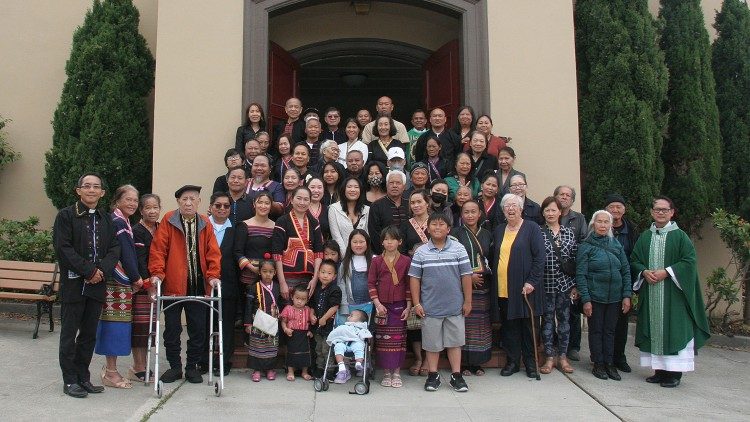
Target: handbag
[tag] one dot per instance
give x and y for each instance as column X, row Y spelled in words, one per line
column 262, row 321
column 413, row 322
column 567, row 265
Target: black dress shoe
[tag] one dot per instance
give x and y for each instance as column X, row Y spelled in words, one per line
column 171, row 375
column 531, row 373
column 670, row 382
column 91, row 388
column 193, row 375
column 657, row 378
column 510, row 369
column 600, row 371
column 75, row 390
column 574, row 355
column 623, row 366
column 227, row 368
column 203, row 368
column 612, row 372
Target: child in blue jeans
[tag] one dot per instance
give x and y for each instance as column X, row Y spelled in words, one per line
column 350, row 337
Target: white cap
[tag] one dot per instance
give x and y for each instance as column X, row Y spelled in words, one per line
column 396, row 152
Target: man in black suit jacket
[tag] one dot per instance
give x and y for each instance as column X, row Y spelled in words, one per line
column 87, row 251
column 224, row 230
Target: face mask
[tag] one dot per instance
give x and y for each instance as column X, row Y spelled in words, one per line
column 438, row 197
column 374, row 180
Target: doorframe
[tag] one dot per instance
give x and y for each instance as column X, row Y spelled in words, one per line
column 473, row 40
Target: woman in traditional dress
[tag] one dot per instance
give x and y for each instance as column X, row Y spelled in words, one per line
column 388, row 284
column 437, row 166
column 143, row 233
column 478, row 242
column 297, row 245
column 115, row 329
column 253, row 239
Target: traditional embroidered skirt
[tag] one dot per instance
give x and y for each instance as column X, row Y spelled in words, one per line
column 478, row 347
column 390, row 339
column 298, row 350
column 263, row 350
column 114, row 330
column 141, row 312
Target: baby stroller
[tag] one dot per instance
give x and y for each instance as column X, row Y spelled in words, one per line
column 213, row 302
column 362, row 386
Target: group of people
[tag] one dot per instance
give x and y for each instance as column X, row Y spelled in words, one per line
column 317, row 226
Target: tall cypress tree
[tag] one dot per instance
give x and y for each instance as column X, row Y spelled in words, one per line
column 692, row 150
column 622, row 87
column 101, row 122
column 731, row 65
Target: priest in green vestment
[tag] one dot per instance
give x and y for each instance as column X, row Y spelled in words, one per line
column 672, row 321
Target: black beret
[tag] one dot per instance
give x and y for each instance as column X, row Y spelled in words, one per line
column 178, row 193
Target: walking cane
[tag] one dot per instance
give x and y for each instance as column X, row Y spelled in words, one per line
column 533, row 334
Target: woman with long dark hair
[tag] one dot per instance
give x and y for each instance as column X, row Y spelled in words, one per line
column 375, row 172
column 333, row 178
column 255, row 121
column 349, row 213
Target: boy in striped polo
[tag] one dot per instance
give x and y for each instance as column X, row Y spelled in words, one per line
column 440, row 275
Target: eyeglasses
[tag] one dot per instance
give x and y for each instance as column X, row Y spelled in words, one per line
column 518, row 185
column 224, row 206
column 333, row 116
column 88, row 186
column 661, row 210
column 510, row 206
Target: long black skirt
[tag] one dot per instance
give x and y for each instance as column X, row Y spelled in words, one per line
column 298, row 350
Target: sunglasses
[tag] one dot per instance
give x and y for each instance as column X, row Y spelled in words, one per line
column 224, row 206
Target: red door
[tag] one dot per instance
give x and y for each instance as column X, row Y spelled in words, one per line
column 283, row 82
column 442, row 82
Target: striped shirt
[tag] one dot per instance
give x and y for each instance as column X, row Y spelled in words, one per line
column 440, row 271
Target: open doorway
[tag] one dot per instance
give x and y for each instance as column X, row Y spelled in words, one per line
column 324, row 53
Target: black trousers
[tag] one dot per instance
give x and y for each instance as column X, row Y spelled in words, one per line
column 78, row 338
column 602, row 325
column 516, row 337
column 574, row 342
column 195, row 314
column 621, row 338
column 229, row 310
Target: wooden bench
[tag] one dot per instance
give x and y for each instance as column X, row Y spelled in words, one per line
column 33, row 281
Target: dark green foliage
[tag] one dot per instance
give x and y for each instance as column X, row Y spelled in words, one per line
column 692, row 149
column 622, row 86
column 24, row 241
column 101, row 122
column 731, row 66
column 7, row 153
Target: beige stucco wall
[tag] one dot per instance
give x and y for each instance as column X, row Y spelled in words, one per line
column 533, row 89
column 35, row 39
column 397, row 22
column 198, row 92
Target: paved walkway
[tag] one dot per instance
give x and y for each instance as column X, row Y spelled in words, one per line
column 31, row 389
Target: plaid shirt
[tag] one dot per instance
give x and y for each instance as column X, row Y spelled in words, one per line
column 554, row 279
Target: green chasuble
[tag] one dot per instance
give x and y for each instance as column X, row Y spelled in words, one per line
column 668, row 316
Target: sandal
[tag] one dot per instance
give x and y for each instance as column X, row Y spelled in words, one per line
column 565, row 366
column 290, row 377
column 271, row 375
column 386, row 382
column 549, row 364
column 479, row 371
column 123, row 383
column 256, row 376
column 423, row 372
column 414, row 369
column 306, row 376
column 396, row 381
column 466, row 372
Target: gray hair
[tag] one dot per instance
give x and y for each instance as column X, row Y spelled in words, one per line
column 593, row 218
column 327, row 144
column 572, row 190
column 521, row 175
column 512, row 198
column 398, row 173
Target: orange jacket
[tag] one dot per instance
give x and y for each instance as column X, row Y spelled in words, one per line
column 168, row 256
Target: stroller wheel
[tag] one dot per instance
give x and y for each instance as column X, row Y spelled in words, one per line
column 361, row 388
column 325, row 384
column 318, row 384
column 159, row 388
column 217, row 389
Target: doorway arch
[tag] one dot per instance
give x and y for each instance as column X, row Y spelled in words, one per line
column 472, row 41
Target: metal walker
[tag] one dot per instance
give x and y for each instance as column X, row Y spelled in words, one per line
column 209, row 301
